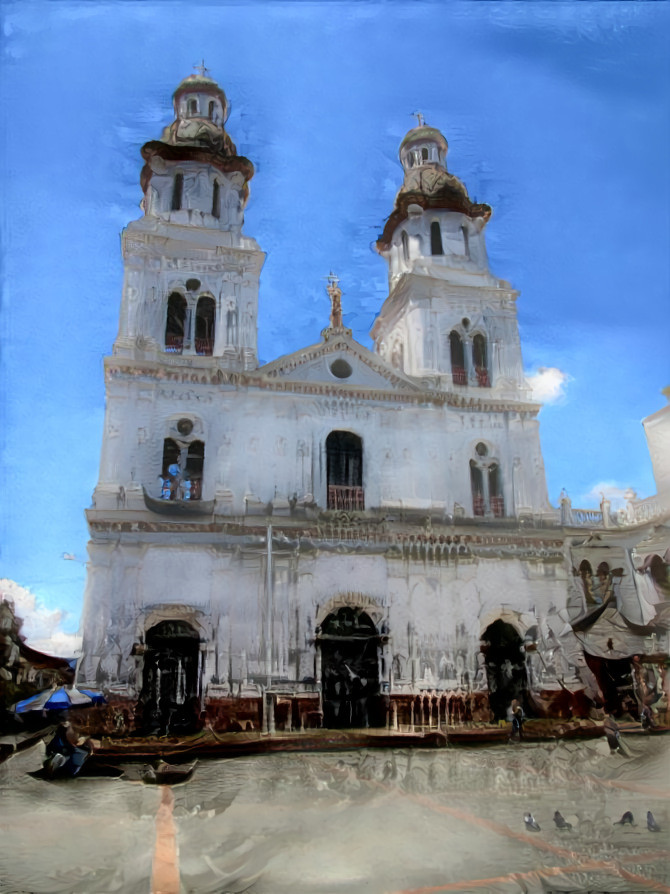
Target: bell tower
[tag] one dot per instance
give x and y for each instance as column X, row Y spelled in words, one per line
column 191, row 276
column 446, row 317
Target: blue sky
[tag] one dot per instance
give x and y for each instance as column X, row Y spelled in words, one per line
column 557, row 115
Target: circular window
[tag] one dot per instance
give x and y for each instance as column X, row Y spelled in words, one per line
column 192, row 284
column 482, row 449
column 341, row 368
column 184, row 426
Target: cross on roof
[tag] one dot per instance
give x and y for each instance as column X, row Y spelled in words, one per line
column 333, row 279
column 419, row 117
column 202, row 71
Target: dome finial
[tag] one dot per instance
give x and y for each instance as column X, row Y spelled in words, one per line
column 202, row 71
column 420, row 119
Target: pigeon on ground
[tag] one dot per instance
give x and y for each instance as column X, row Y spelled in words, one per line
column 529, row 820
column 652, row 825
column 561, row 823
column 626, row 819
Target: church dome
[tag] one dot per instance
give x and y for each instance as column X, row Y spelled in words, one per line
column 424, row 132
column 423, row 145
column 189, row 98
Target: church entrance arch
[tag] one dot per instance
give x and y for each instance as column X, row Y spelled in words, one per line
column 170, row 678
column 505, row 667
column 349, row 644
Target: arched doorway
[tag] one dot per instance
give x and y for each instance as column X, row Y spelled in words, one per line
column 349, row 644
column 170, row 678
column 505, row 667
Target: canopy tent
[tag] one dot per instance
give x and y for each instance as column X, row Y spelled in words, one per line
column 60, row 699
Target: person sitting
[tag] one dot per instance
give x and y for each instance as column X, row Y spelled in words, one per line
column 64, row 741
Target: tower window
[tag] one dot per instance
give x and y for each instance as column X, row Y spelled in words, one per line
column 170, row 470
column 424, row 154
column 216, row 199
column 212, row 108
column 344, row 461
column 466, row 241
column 458, row 373
column 174, row 323
column 195, row 461
column 436, row 239
column 405, row 245
column 192, row 107
column 204, row 325
column 480, row 361
column 495, row 492
column 477, row 485
column 177, row 190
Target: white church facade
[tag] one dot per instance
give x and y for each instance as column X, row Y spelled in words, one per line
column 340, row 537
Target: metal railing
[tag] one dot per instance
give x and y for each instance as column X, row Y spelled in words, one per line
column 174, row 344
column 348, row 499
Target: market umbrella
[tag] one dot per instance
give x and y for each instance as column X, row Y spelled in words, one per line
column 60, row 699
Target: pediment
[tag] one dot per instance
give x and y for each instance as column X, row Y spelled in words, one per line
column 342, row 362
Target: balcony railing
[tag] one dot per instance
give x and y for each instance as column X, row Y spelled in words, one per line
column 181, row 489
column 498, row 507
column 349, row 499
column 174, row 344
column 204, row 346
column 483, row 377
column 459, row 375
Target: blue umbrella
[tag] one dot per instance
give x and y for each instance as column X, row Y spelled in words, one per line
column 60, row 699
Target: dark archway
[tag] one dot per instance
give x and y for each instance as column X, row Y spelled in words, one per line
column 169, row 694
column 349, row 644
column 505, row 667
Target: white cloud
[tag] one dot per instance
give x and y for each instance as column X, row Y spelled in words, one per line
column 548, row 384
column 614, row 492
column 41, row 626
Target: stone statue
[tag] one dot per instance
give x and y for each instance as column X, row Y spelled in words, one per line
column 335, row 293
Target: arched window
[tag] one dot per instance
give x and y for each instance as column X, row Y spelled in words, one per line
column 195, row 461
column 486, row 484
column 405, row 245
column 436, row 239
column 177, row 190
column 458, row 373
column 424, row 154
column 192, row 107
column 231, row 326
column 174, row 323
column 204, row 325
column 212, row 108
column 496, row 501
column 216, row 199
column 344, row 462
column 480, row 360
column 477, row 486
column 170, row 470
